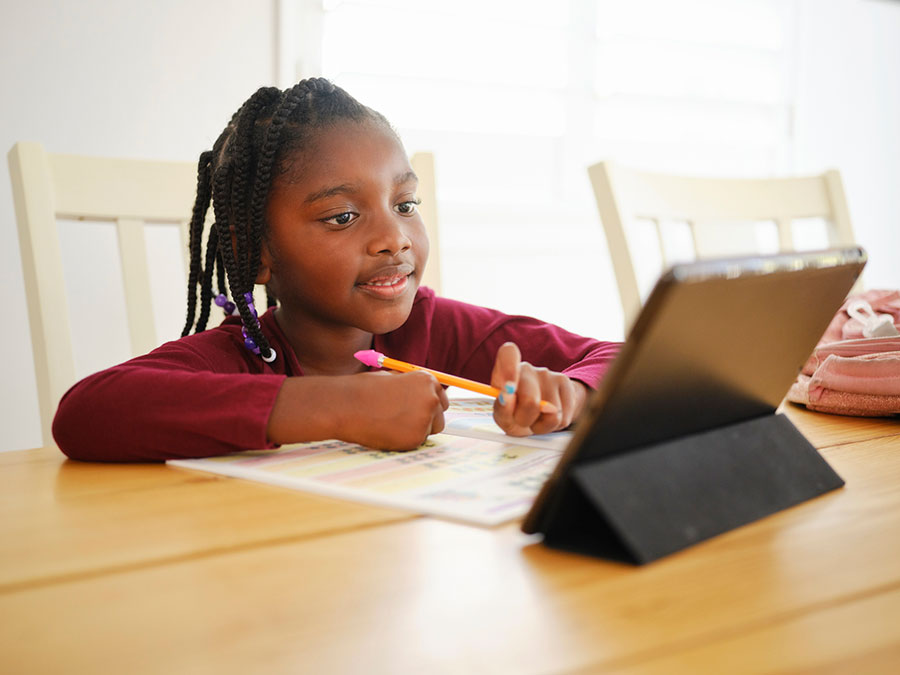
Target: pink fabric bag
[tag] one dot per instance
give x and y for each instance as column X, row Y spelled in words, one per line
column 849, row 373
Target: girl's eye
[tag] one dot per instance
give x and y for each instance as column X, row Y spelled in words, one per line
column 340, row 220
column 409, row 207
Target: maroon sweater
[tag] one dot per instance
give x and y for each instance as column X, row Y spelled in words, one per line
column 206, row 394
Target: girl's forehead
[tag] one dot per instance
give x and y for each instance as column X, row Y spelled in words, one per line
column 342, row 147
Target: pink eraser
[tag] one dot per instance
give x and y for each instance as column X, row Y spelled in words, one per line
column 370, row 357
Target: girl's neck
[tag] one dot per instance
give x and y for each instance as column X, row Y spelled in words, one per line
column 324, row 350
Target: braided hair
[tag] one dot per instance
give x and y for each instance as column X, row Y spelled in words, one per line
column 236, row 176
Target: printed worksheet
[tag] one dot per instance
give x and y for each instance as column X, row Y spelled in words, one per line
column 486, row 482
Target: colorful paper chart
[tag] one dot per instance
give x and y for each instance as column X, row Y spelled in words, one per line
column 480, row 481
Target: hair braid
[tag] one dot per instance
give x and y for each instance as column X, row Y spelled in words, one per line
column 198, row 217
column 223, row 227
column 221, row 281
column 240, row 159
column 270, row 145
column 237, row 285
column 206, row 288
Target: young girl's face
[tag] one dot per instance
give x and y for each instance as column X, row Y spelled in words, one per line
column 345, row 243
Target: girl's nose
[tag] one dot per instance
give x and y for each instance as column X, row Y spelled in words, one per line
column 389, row 236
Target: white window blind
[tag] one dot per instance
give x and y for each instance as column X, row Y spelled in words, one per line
column 516, row 98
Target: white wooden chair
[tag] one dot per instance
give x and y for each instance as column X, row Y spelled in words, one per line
column 707, row 206
column 127, row 193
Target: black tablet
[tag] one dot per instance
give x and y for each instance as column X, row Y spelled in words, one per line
column 718, row 342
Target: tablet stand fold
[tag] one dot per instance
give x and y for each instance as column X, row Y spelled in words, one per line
column 642, row 504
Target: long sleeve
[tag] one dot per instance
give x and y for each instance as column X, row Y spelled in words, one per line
column 194, row 397
column 463, row 339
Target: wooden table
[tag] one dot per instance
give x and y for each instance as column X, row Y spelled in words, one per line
column 151, row 569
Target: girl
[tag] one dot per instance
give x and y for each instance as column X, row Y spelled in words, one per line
column 313, row 195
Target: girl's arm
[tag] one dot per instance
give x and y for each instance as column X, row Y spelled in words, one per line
column 193, row 398
column 169, row 404
column 388, row 411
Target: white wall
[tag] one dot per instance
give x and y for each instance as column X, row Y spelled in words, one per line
column 132, row 79
column 848, row 117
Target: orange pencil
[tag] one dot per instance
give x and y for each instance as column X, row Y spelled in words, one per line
column 378, row 360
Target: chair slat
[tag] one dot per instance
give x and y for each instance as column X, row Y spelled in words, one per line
column 136, row 281
column 108, row 189
column 785, row 234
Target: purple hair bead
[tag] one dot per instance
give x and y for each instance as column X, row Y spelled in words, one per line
column 227, row 306
column 249, row 343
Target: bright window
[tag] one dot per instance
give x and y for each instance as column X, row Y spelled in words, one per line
column 516, row 98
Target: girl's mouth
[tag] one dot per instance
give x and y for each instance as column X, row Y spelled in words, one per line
column 386, row 287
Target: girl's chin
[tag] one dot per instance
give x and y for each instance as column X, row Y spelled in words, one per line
column 388, row 319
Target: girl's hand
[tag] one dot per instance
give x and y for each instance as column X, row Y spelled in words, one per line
column 394, row 411
column 517, row 411
column 385, row 411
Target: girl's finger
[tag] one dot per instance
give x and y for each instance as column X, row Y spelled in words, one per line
column 506, row 367
column 528, row 397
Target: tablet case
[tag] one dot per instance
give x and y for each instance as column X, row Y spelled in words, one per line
column 647, row 503
column 676, row 446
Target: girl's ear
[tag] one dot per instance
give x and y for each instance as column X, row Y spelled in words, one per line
column 264, row 273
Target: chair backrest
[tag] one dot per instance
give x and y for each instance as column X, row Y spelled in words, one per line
column 127, row 193
column 423, row 165
column 625, row 195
